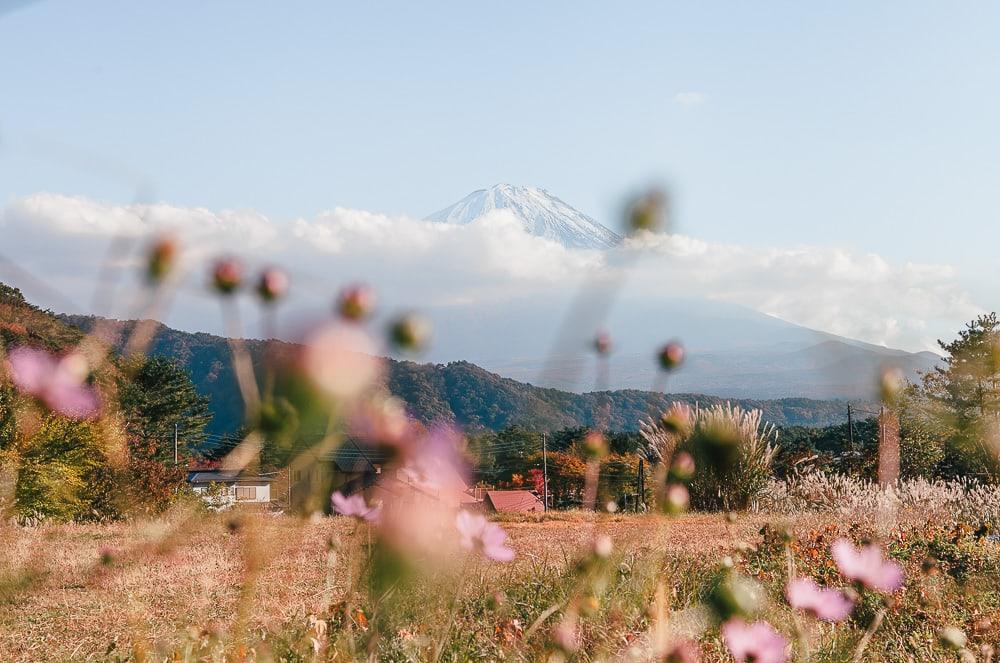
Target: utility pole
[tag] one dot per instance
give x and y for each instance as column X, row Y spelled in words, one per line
column 850, row 429
column 175, row 443
column 640, row 502
column 545, row 475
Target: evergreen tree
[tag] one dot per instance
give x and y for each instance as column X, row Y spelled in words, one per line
column 157, row 395
column 964, row 398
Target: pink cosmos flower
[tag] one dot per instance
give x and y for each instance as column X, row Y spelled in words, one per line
column 827, row 604
column 382, row 421
column 59, row 383
column 867, row 565
column 355, row 507
column 477, row 533
column 342, row 361
column 757, row 642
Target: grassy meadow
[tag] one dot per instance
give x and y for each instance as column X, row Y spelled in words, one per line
column 246, row 586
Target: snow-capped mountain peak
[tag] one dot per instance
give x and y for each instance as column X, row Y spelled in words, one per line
column 541, row 213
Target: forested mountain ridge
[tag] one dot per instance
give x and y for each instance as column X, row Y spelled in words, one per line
column 458, row 392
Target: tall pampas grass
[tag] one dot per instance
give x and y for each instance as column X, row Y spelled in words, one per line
column 733, row 448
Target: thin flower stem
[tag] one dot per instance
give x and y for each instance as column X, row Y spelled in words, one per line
column 242, row 364
column 439, row 647
column 548, row 612
column 866, row 638
column 796, row 620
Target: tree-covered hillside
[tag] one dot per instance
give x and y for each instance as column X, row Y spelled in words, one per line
column 458, row 392
column 84, row 436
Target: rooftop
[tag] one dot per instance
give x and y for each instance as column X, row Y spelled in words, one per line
column 514, row 501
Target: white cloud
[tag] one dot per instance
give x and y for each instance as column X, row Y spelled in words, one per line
column 475, row 270
column 861, row 296
column 690, row 99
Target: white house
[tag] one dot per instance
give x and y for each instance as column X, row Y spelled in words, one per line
column 222, row 489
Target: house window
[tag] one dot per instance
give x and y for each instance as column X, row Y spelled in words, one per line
column 246, row 493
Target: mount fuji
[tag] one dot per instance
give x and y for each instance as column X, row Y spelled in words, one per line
column 541, row 214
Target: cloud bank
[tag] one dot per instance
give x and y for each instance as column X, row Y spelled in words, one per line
column 474, row 269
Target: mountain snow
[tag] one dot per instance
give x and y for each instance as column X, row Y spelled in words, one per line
column 541, row 214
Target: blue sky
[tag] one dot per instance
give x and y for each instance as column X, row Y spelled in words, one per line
column 867, row 126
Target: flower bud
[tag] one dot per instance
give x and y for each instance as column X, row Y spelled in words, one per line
column 676, row 499
column 227, row 275
column 161, row 259
column 273, row 284
column 356, row 302
column 892, row 381
column 736, row 595
column 602, row 344
column 595, row 446
column 603, row 546
column 719, row 444
column 671, row 356
column 682, row 469
column 647, row 212
column 410, row 332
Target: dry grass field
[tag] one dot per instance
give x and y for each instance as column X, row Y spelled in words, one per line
column 72, row 605
column 124, row 592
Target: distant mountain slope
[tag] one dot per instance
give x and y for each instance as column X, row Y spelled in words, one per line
column 458, row 392
column 541, row 214
column 733, row 351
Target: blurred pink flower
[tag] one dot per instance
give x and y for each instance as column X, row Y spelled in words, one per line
column 355, row 507
column 485, row 537
column 757, row 642
column 342, row 361
column 59, row 383
column 382, row 421
column 827, row 604
column 867, row 565
column 566, row 635
column 273, row 284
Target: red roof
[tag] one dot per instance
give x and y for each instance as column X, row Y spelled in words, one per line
column 514, row 501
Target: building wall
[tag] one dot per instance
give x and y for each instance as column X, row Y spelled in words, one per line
column 224, row 496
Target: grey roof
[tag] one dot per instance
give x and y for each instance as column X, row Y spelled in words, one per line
column 226, row 476
column 356, row 458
